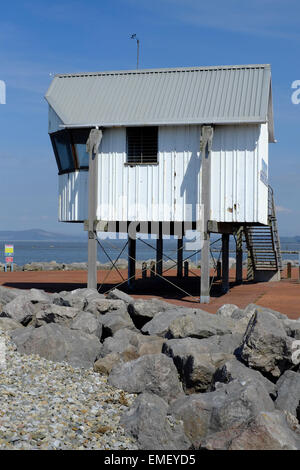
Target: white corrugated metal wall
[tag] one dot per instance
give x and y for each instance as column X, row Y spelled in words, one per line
column 170, row 190
column 238, row 194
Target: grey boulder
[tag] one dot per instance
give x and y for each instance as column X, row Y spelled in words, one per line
column 234, row 370
column 150, row 424
column 267, row 431
column 120, row 295
column 51, row 313
column 114, row 321
column 227, row 310
column 101, row 306
column 197, row 360
column 78, row 298
column 8, row 324
column 159, row 325
column 288, row 387
column 143, row 311
column 7, row 295
column 150, row 373
column 292, row 328
column 88, row 323
column 266, row 346
column 126, row 340
column 199, row 325
column 229, row 406
column 58, row 343
column 252, row 308
column 20, row 309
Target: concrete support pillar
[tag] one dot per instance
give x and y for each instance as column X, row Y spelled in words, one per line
column 205, row 148
column 131, row 260
column 239, row 256
column 159, row 251
column 92, row 260
column 92, row 147
column 225, row 263
column 179, row 257
column 205, row 271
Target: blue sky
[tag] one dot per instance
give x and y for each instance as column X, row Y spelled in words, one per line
column 39, row 38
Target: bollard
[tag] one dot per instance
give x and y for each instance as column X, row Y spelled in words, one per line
column 289, row 270
column 144, row 270
column 186, row 268
column 219, row 270
column 152, row 269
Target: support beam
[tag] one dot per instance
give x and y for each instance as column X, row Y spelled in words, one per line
column 225, row 263
column 92, row 147
column 159, row 251
column 131, row 260
column 205, row 269
column 179, row 257
column 205, row 149
column 239, row 256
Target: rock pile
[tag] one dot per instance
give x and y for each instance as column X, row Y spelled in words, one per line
column 224, row 381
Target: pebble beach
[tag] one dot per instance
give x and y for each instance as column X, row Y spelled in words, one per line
column 54, row 406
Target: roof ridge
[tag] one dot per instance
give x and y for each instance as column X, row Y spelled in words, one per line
column 162, row 70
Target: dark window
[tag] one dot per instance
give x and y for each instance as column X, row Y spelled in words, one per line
column 63, row 151
column 142, row 145
column 79, row 138
column 70, row 149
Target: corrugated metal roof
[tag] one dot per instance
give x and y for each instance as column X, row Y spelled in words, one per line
column 195, row 95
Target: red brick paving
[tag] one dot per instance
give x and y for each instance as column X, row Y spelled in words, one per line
column 283, row 296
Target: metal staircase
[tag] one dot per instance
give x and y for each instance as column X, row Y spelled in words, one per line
column 263, row 243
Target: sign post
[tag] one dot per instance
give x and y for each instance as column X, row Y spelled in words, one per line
column 9, row 256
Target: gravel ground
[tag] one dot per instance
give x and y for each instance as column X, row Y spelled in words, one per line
column 46, row 405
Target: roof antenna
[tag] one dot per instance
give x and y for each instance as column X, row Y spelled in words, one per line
column 133, row 36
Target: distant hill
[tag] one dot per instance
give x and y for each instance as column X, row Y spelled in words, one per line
column 36, row 235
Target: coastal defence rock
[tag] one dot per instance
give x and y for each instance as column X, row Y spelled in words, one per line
column 88, row 323
column 288, row 398
column 150, row 373
column 199, row 325
column 268, row 431
column 236, row 367
column 51, row 313
column 78, row 298
column 235, row 370
column 101, row 306
column 7, row 295
column 231, row 405
column 130, row 340
column 8, row 324
column 197, row 360
column 114, row 321
column 266, row 346
column 143, row 311
column 120, row 295
column 20, row 309
column 59, row 344
column 159, row 325
column 150, row 424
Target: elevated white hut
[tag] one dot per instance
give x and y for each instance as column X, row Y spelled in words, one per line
column 151, row 165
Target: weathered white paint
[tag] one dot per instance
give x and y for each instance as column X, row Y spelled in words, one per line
column 170, row 191
column 73, row 196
